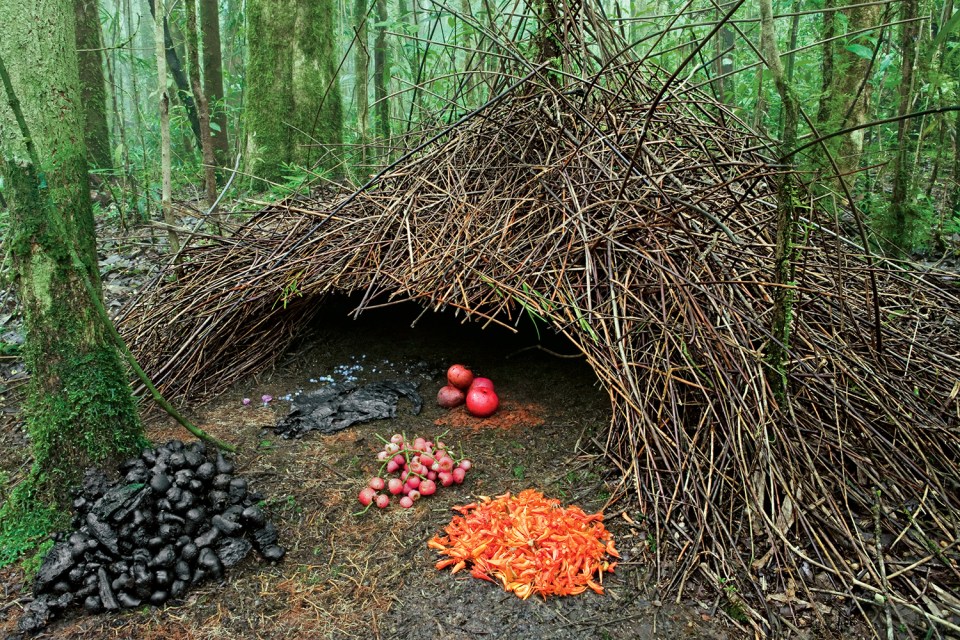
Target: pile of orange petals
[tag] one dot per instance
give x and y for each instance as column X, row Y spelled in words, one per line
column 529, row 543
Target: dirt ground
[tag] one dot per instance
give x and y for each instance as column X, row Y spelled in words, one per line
column 372, row 576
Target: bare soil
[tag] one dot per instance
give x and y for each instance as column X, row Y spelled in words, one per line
column 372, row 576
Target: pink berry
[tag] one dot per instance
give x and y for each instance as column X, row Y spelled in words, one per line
column 396, row 438
column 458, row 475
column 376, row 484
column 399, row 459
column 428, row 487
column 465, row 464
column 414, row 495
column 413, row 482
column 432, row 475
column 446, row 478
column 366, row 496
column 406, row 502
column 383, row 500
column 395, row 486
column 381, row 456
column 392, row 466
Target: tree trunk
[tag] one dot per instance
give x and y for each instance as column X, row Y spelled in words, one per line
column 213, row 78
column 92, row 88
column 176, row 70
column 193, row 60
column 846, row 98
column 381, row 76
column 902, row 213
column 316, row 89
column 79, row 410
column 361, row 60
column 166, row 201
column 783, row 269
column 293, row 99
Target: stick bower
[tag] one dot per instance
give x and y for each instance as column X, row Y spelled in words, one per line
column 639, row 224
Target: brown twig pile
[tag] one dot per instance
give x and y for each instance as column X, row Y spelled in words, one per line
column 642, row 230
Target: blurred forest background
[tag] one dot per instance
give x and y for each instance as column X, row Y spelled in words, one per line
column 287, row 94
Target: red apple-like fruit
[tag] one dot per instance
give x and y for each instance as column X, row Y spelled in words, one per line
column 486, row 383
column 482, row 402
column 449, row 397
column 459, row 376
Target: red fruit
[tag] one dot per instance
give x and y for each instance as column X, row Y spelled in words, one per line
column 376, row 484
column 419, row 444
column 459, row 376
column 428, row 487
column 465, row 464
column 485, row 383
column 366, row 496
column 446, row 464
column 458, row 475
column 446, row 479
column 383, row 500
column 449, row 397
column 392, row 466
column 427, row 460
column 406, row 502
column 431, row 475
column 396, row 438
column 482, row 402
column 413, row 482
column 414, row 495
column 395, row 486
column 399, row 459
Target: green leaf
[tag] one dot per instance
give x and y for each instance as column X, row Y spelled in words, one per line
column 861, row 50
column 946, row 31
column 214, row 126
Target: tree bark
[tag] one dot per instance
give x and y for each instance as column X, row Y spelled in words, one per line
column 206, row 144
column 93, row 91
column 381, row 76
column 213, row 78
column 846, row 98
column 361, row 58
column 166, row 200
column 902, row 213
column 783, row 251
column 176, row 70
column 293, row 100
column 79, row 410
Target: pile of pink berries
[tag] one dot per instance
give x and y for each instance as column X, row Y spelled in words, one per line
column 418, row 469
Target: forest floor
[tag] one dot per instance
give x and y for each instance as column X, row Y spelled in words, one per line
column 373, row 576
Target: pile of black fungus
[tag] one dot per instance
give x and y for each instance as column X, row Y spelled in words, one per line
column 179, row 516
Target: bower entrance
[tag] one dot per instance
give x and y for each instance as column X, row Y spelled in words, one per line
column 540, row 377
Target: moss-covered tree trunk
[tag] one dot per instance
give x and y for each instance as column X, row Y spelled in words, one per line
column 213, row 78
column 902, row 211
column 93, row 93
column 381, row 75
column 318, row 110
column 846, row 91
column 361, row 66
column 293, row 99
column 79, row 409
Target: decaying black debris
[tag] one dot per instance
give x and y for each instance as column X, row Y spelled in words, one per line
column 179, row 516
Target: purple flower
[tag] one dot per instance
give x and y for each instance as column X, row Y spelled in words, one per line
column 245, row 401
column 266, row 399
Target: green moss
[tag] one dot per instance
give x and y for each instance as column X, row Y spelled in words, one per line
column 26, row 524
